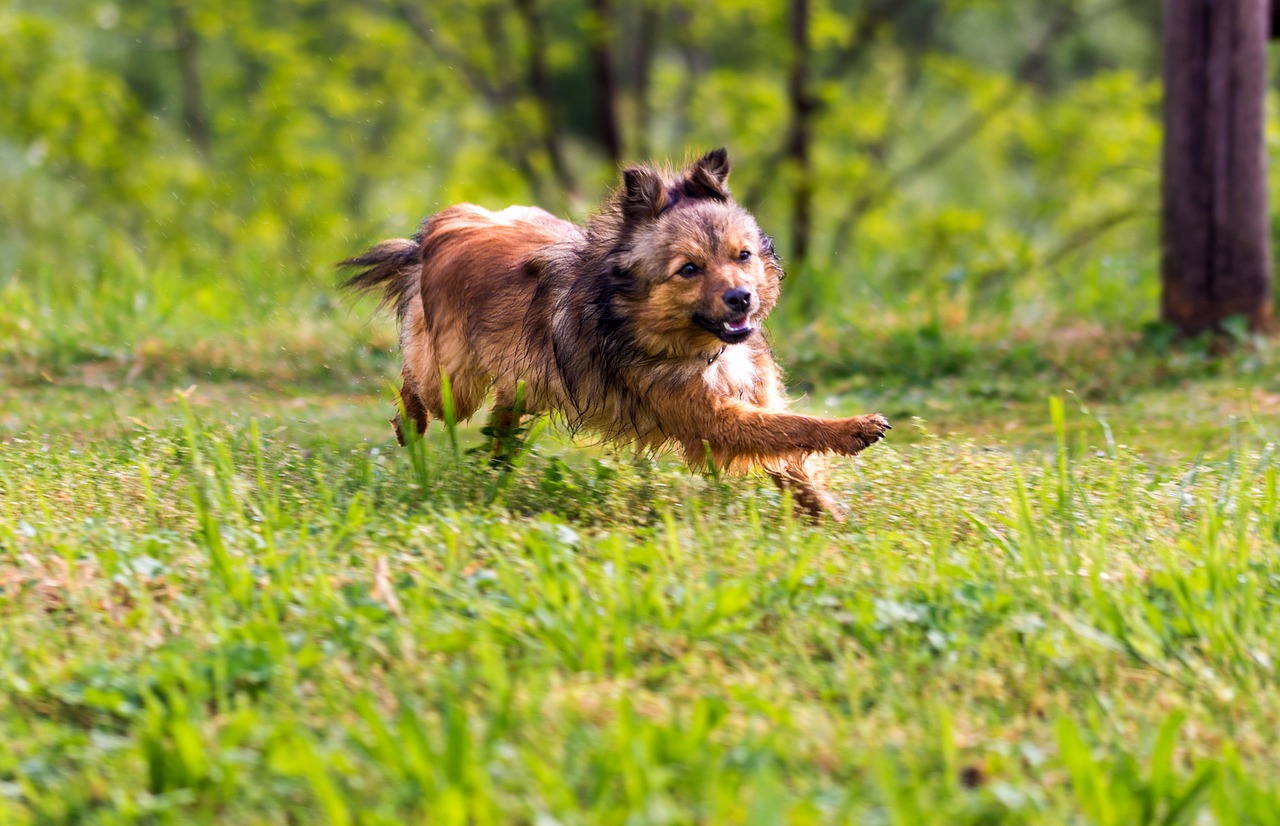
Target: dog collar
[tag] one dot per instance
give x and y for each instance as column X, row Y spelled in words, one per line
column 719, row 353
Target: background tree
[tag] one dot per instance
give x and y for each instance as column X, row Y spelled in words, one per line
column 602, row 40
column 799, row 137
column 193, row 111
column 962, row 157
column 1216, row 242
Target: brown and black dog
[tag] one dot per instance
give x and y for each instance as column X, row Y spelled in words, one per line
column 643, row 326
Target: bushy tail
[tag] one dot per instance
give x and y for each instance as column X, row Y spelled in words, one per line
column 392, row 267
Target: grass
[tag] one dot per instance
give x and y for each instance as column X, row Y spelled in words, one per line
column 239, row 602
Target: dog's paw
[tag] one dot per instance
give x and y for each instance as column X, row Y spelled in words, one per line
column 867, row 430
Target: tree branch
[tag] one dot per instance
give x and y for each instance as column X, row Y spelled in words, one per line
column 967, row 129
column 1084, row 236
column 499, row 92
column 864, row 33
column 420, row 26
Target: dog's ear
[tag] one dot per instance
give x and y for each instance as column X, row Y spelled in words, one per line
column 643, row 195
column 716, row 164
column 708, row 177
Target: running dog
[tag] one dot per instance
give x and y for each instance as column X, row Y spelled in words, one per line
column 643, row 326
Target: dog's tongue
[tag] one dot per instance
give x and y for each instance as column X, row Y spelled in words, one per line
column 741, row 325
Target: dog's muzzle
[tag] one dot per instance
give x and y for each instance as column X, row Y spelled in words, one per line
column 731, row 330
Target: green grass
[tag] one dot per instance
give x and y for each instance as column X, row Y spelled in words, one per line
column 226, row 596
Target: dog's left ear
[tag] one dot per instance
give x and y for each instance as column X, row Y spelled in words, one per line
column 708, row 177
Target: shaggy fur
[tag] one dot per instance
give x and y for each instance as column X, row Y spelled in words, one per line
column 643, row 326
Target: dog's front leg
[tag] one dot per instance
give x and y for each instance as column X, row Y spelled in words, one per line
column 780, row 441
column 737, row 430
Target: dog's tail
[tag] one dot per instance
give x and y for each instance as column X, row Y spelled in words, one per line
column 391, row 267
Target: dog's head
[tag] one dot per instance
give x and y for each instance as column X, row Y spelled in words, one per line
column 696, row 271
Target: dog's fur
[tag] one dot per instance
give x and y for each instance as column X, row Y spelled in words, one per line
column 608, row 326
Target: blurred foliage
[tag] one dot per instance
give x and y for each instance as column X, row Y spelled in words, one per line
column 969, row 156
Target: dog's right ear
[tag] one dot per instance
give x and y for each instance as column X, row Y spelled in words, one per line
column 643, row 193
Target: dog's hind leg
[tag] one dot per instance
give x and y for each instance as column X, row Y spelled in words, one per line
column 417, row 373
column 413, row 408
column 504, row 423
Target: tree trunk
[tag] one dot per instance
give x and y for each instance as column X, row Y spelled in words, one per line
column 600, row 37
column 540, row 84
column 800, row 133
column 1216, row 245
column 642, row 65
column 193, row 114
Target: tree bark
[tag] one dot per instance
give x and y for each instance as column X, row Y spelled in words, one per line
column 1216, row 245
column 800, row 133
column 600, row 37
column 193, row 112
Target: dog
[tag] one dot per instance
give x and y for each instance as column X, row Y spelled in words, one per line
column 642, row 326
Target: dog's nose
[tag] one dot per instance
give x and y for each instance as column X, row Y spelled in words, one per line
column 739, row 299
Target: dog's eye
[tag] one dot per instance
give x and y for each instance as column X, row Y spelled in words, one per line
column 688, row 270
column 744, row 255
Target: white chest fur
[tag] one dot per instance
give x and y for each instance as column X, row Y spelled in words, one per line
column 734, row 373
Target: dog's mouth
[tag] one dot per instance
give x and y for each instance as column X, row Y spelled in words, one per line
column 730, row 331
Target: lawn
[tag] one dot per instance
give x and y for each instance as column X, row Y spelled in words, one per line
column 227, row 596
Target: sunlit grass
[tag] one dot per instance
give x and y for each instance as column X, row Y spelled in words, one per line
column 227, row 596
column 204, row 620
